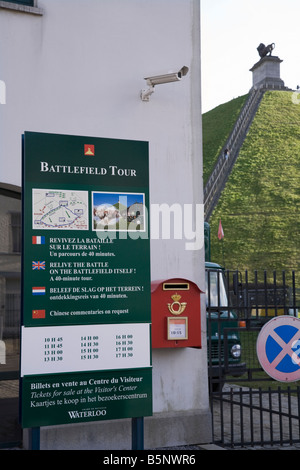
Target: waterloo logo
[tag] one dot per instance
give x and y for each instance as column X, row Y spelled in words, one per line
column 89, row 149
column 86, row 414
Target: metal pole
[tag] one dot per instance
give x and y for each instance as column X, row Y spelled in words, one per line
column 137, row 429
column 35, row 439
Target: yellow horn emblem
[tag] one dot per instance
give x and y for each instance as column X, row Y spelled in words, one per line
column 177, row 308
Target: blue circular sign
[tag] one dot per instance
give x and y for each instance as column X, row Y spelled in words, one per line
column 278, row 348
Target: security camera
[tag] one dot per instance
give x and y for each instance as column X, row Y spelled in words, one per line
column 160, row 80
column 167, row 78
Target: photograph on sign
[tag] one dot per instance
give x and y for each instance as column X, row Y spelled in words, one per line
column 118, row 211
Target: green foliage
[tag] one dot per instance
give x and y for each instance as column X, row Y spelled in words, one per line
column 259, row 206
column 217, row 126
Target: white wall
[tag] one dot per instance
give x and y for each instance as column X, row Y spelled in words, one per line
column 78, row 69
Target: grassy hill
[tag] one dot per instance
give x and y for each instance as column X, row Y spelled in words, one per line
column 259, row 206
column 217, row 126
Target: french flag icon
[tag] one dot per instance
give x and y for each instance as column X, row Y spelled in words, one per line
column 38, row 240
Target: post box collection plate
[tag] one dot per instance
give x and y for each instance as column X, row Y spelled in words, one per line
column 176, row 314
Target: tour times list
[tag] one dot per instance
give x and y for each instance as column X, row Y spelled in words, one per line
column 85, row 335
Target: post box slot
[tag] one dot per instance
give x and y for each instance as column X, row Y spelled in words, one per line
column 176, row 286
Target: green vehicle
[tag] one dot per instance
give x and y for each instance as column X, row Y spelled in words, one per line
column 223, row 339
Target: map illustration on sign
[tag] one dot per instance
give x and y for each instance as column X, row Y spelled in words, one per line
column 60, row 209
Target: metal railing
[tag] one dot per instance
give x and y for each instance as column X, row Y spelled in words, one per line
column 223, row 166
column 249, row 407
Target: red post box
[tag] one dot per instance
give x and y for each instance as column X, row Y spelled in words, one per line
column 176, row 314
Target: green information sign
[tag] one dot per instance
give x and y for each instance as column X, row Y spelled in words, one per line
column 86, row 278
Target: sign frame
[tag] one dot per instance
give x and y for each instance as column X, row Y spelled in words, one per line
column 79, row 275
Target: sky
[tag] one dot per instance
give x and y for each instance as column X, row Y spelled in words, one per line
column 113, row 198
column 231, row 31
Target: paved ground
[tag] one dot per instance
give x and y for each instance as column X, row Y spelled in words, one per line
column 258, row 424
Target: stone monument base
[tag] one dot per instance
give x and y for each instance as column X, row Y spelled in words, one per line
column 266, row 73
